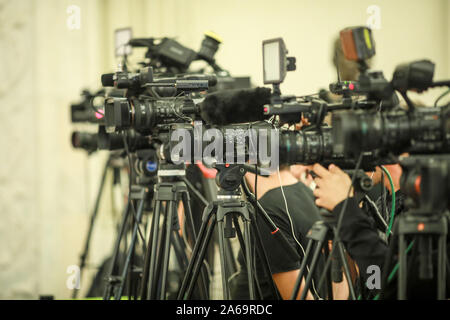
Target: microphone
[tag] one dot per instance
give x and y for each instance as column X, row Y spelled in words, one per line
column 235, row 106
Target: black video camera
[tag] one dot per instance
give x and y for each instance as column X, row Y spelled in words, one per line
column 143, row 109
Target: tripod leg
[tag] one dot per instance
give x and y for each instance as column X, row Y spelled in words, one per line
column 402, row 255
column 154, row 236
column 156, row 291
column 83, row 256
column 198, row 262
column 179, row 250
column 242, row 244
column 188, row 214
column 329, row 275
column 195, row 251
column 190, row 219
column 220, row 225
column 249, row 258
column 346, row 270
column 139, row 212
column 312, row 268
column 301, row 272
column 144, row 280
column 265, row 261
column 442, row 257
column 108, row 288
column 166, row 252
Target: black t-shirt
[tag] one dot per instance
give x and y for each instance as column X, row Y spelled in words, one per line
column 304, row 213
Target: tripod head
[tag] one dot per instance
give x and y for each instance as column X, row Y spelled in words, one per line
column 426, row 183
column 228, row 179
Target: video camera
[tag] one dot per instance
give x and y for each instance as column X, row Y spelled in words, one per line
column 314, row 142
column 393, row 130
column 85, row 110
column 145, row 110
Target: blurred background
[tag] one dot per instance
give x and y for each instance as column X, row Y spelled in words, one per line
column 47, row 189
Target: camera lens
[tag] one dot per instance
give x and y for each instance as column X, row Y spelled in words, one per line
column 84, row 140
column 305, row 147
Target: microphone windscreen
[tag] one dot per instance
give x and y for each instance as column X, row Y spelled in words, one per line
column 108, row 80
column 235, row 106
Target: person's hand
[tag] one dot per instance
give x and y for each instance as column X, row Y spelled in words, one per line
column 332, row 186
column 303, row 123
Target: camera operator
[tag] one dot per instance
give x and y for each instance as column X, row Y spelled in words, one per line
column 360, row 237
column 290, row 204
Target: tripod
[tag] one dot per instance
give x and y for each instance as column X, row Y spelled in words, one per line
column 225, row 213
column 319, row 235
column 168, row 193
column 115, row 164
column 428, row 218
column 116, row 281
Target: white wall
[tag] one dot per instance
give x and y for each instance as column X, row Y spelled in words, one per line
column 46, row 187
column 409, row 30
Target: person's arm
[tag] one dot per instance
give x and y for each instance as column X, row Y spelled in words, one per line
column 359, row 237
column 285, row 282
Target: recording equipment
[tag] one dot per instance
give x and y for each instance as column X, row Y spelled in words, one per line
column 290, row 109
column 208, row 49
column 126, row 80
column 426, row 130
column 235, row 106
column 417, row 75
column 84, row 111
column 85, row 140
column 425, row 181
column 423, row 130
column 257, row 143
column 116, row 141
column 167, row 53
column 146, row 78
column 169, row 56
column 146, row 162
column 345, row 88
column 275, row 61
column 146, row 114
column 426, row 184
column 357, row 43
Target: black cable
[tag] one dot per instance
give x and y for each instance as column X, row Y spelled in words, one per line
column 440, row 97
column 256, row 188
column 274, row 230
column 256, row 215
column 339, row 224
